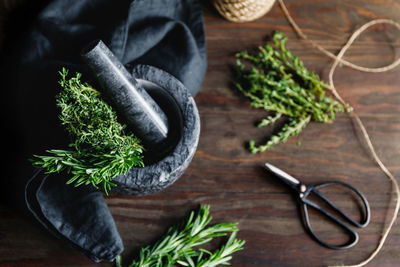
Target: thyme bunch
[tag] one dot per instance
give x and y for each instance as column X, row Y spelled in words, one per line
column 101, row 148
column 279, row 82
column 177, row 247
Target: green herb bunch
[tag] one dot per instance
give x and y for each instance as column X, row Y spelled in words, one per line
column 101, row 149
column 278, row 81
column 177, row 247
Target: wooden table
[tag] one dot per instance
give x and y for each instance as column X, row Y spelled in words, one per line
column 223, row 172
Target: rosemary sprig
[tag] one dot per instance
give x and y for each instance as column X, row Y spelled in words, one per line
column 178, row 246
column 101, row 149
column 278, row 81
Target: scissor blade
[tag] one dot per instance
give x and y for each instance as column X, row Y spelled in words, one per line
column 281, row 174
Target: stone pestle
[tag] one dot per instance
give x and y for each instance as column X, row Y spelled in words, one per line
column 139, row 110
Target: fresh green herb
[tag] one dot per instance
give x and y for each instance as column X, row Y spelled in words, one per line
column 101, row 149
column 177, row 247
column 277, row 81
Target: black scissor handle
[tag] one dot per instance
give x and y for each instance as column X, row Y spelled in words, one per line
column 367, row 211
column 352, row 234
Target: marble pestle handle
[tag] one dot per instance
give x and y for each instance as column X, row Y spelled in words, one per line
column 141, row 112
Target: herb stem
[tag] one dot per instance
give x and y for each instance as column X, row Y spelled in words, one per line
column 178, row 246
column 279, row 82
column 101, row 149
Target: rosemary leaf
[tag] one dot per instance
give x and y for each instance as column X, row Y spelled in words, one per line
column 101, row 149
column 178, row 246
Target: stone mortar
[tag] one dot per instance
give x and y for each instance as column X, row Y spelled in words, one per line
column 165, row 165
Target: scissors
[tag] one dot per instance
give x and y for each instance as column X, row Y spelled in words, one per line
column 303, row 191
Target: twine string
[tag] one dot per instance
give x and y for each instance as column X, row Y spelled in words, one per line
column 339, row 59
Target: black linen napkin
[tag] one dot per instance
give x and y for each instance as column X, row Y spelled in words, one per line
column 77, row 215
column 167, row 34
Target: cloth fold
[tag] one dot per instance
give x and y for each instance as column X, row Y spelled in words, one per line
column 167, row 34
column 61, row 209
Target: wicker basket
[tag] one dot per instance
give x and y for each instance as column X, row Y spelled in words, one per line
column 243, row 10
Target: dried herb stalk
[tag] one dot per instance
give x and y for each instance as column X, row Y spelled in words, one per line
column 277, row 81
column 101, row 148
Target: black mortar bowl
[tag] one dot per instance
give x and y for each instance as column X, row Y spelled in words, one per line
column 165, row 164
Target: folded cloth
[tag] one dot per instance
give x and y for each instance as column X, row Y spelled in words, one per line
column 77, row 215
column 167, row 34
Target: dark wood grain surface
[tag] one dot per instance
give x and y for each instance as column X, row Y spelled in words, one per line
column 224, row 174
